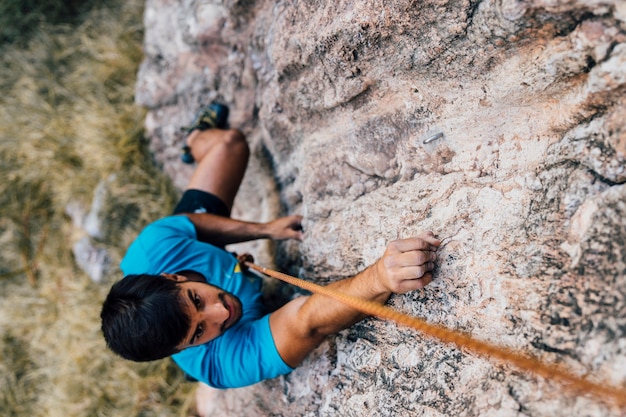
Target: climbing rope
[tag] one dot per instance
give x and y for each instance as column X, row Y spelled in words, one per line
column 603, row 392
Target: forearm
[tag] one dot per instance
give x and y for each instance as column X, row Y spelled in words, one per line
column 302, row 324
column 326, row 316
column 223, row 231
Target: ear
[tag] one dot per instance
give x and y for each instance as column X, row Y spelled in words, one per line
column 175, row 277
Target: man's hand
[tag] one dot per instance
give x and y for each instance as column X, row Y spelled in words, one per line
column 302, row 324
column 289, row 227
column 222, row 231
column 406, row 265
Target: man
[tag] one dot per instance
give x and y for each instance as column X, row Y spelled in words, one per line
column 185, row 296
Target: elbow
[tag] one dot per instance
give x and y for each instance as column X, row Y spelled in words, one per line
column 310, row 330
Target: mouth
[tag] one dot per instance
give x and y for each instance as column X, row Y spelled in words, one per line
column 228, row 306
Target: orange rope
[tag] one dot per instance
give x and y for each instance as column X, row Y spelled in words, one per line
column 603, row 392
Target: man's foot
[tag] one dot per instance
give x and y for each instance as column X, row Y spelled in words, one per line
column 213, row 116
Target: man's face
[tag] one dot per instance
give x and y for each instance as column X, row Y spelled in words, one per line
column 210, row 309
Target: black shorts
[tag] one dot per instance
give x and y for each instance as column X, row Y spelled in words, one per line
column 198, row 201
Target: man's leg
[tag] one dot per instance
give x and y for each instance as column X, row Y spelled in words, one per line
column 222, row 157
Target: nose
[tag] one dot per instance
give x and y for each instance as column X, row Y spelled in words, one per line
column 216, row 312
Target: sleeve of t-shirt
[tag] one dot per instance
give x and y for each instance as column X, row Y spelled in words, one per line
column 242, row 356
column 158, row 246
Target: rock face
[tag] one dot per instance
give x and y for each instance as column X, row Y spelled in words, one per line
column 526, row 182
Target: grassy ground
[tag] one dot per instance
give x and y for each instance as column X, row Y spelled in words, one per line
column 68, row 122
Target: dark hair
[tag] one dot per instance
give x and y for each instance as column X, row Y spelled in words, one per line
column 142, row 318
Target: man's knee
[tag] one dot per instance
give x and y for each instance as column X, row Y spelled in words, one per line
column 235, row 139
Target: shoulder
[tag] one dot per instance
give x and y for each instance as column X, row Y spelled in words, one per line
column 242, row 356
column 155, row 242
column 162, row 232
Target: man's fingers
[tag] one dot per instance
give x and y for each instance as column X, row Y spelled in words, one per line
column 289, row 227
column 294, row 228
column 413, row 272
column 411, row 258
column 297, row 234
column 295, row 221
column 414, row 284
column 408, row 263
column 426, row 241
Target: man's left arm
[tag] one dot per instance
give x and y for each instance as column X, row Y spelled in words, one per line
column 302, row 324
column 221, row 231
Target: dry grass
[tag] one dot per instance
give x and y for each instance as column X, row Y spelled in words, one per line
column 68, row 122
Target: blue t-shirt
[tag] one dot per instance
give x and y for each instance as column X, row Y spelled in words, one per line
column 244, row 354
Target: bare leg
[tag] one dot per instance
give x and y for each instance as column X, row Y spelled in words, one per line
column 222, row 157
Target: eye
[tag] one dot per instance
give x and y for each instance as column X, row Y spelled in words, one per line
column 198, row 334
column 196, row 300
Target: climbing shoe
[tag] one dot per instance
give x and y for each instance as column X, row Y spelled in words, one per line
column 186, row 156
column 213, row 116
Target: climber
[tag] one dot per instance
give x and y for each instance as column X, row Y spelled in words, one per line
column 185, row 296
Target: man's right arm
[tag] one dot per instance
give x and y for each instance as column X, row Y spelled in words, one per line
column 221, row 231
column 302, row 324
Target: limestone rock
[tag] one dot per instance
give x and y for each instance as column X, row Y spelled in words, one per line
column 526, row 183
column 87, row 230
